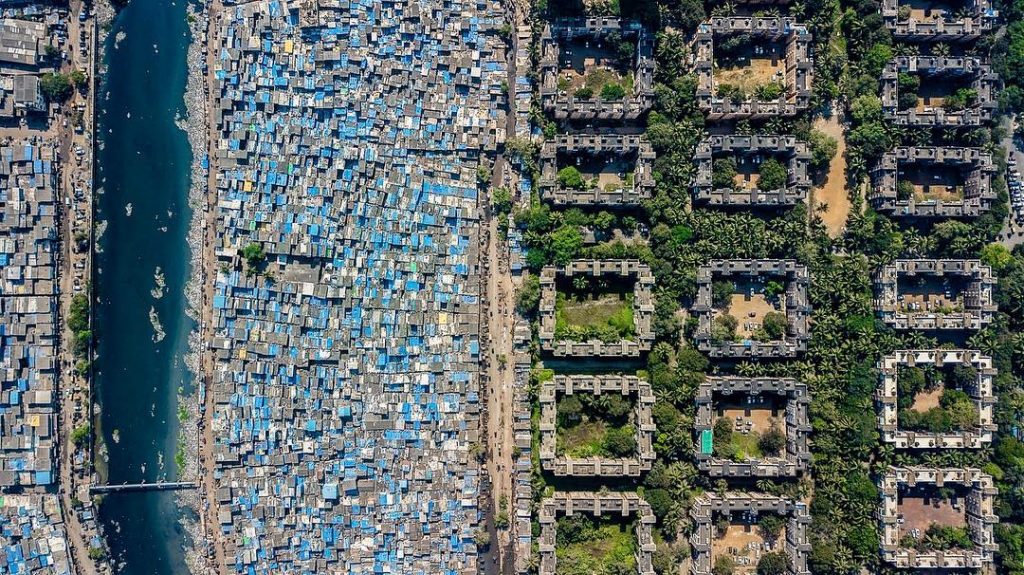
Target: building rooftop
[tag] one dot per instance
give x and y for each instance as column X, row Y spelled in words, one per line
column 925, row 294
column 346, row 393
column 940, row 78
column 933, row 182
column 748, row 152
column 979, row 391
column 570, row 48
column 780, row 48
column 28, row 313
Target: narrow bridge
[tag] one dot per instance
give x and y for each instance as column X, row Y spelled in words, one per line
column 132, row 487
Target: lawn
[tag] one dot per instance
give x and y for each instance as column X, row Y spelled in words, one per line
column 608, row 317
column 583, row 440
column 594, row 546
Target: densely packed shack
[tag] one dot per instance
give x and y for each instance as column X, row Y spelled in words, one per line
column 346, row 304
column 28, row 313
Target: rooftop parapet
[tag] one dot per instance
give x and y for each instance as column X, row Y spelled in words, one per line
column 920, row 295
column 791, row 462
column 706, row 506
column 596, row 504
column 643, row 308
column 980, row 391
column 971, row 198
column 563, row 105
column 634, row 187
column 795, row 155
column 934, row 70
column 797, row 71
column 630, row 386
column 980, row 518
column 938, row 24
column 793, row 299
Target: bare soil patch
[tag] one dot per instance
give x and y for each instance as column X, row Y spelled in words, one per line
column 749, row 310
column 919, row 513
column 832, row 193
column 757, row 72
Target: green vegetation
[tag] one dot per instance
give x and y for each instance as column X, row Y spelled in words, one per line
column 254, row 254
column 587, row 545
column 80, row 435
column 823, row 149
column 78, row 323
column 956, row 410
column 851, row 47
column 56, row 87
column 773, row 563
column 528, row 297
column 570, row 177
column 772, row 175
column 739, row 447
column 939, row 538
column 255, row 259
column 607, row 317
column 723, row 173
column 79, row 79
column 613, row 92
column 591, row 425
column 961, row 99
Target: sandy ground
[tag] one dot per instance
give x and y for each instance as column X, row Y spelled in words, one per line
column 750, row 312
column 735, row 543
column 918, row 515
column 832, row 193
column 759, row 71
column 927, row 399
column 761, row 416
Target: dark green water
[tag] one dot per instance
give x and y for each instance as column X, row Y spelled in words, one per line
column 144, row 161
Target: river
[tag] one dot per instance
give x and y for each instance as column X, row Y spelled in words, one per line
column 142, row 329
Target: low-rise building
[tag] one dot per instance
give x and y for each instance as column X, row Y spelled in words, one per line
column 615, row 270
column 21, row 43
column 935, row 294
column 629, row 386
column 953, row 91
column 933, row 182
column 795, row 69
column 980, row 392
column 622, row 505
column 911, row 22
column 749, row 151
column 708, row 506
column 977, row 510
column 573, row 48
column 791, row 278
column 615, row 169
column 744, row 397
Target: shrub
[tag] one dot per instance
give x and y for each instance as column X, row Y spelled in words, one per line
column 620, row 441
column 769, row 92
column 570, row 177
column 774, row 325
column 772, row 442
column 55, row 87
column 774, row 563
column 723, row 173
column 613, row 91
column 904, row 190
column 773, row 175
column 724, row 565
column 584, row 93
